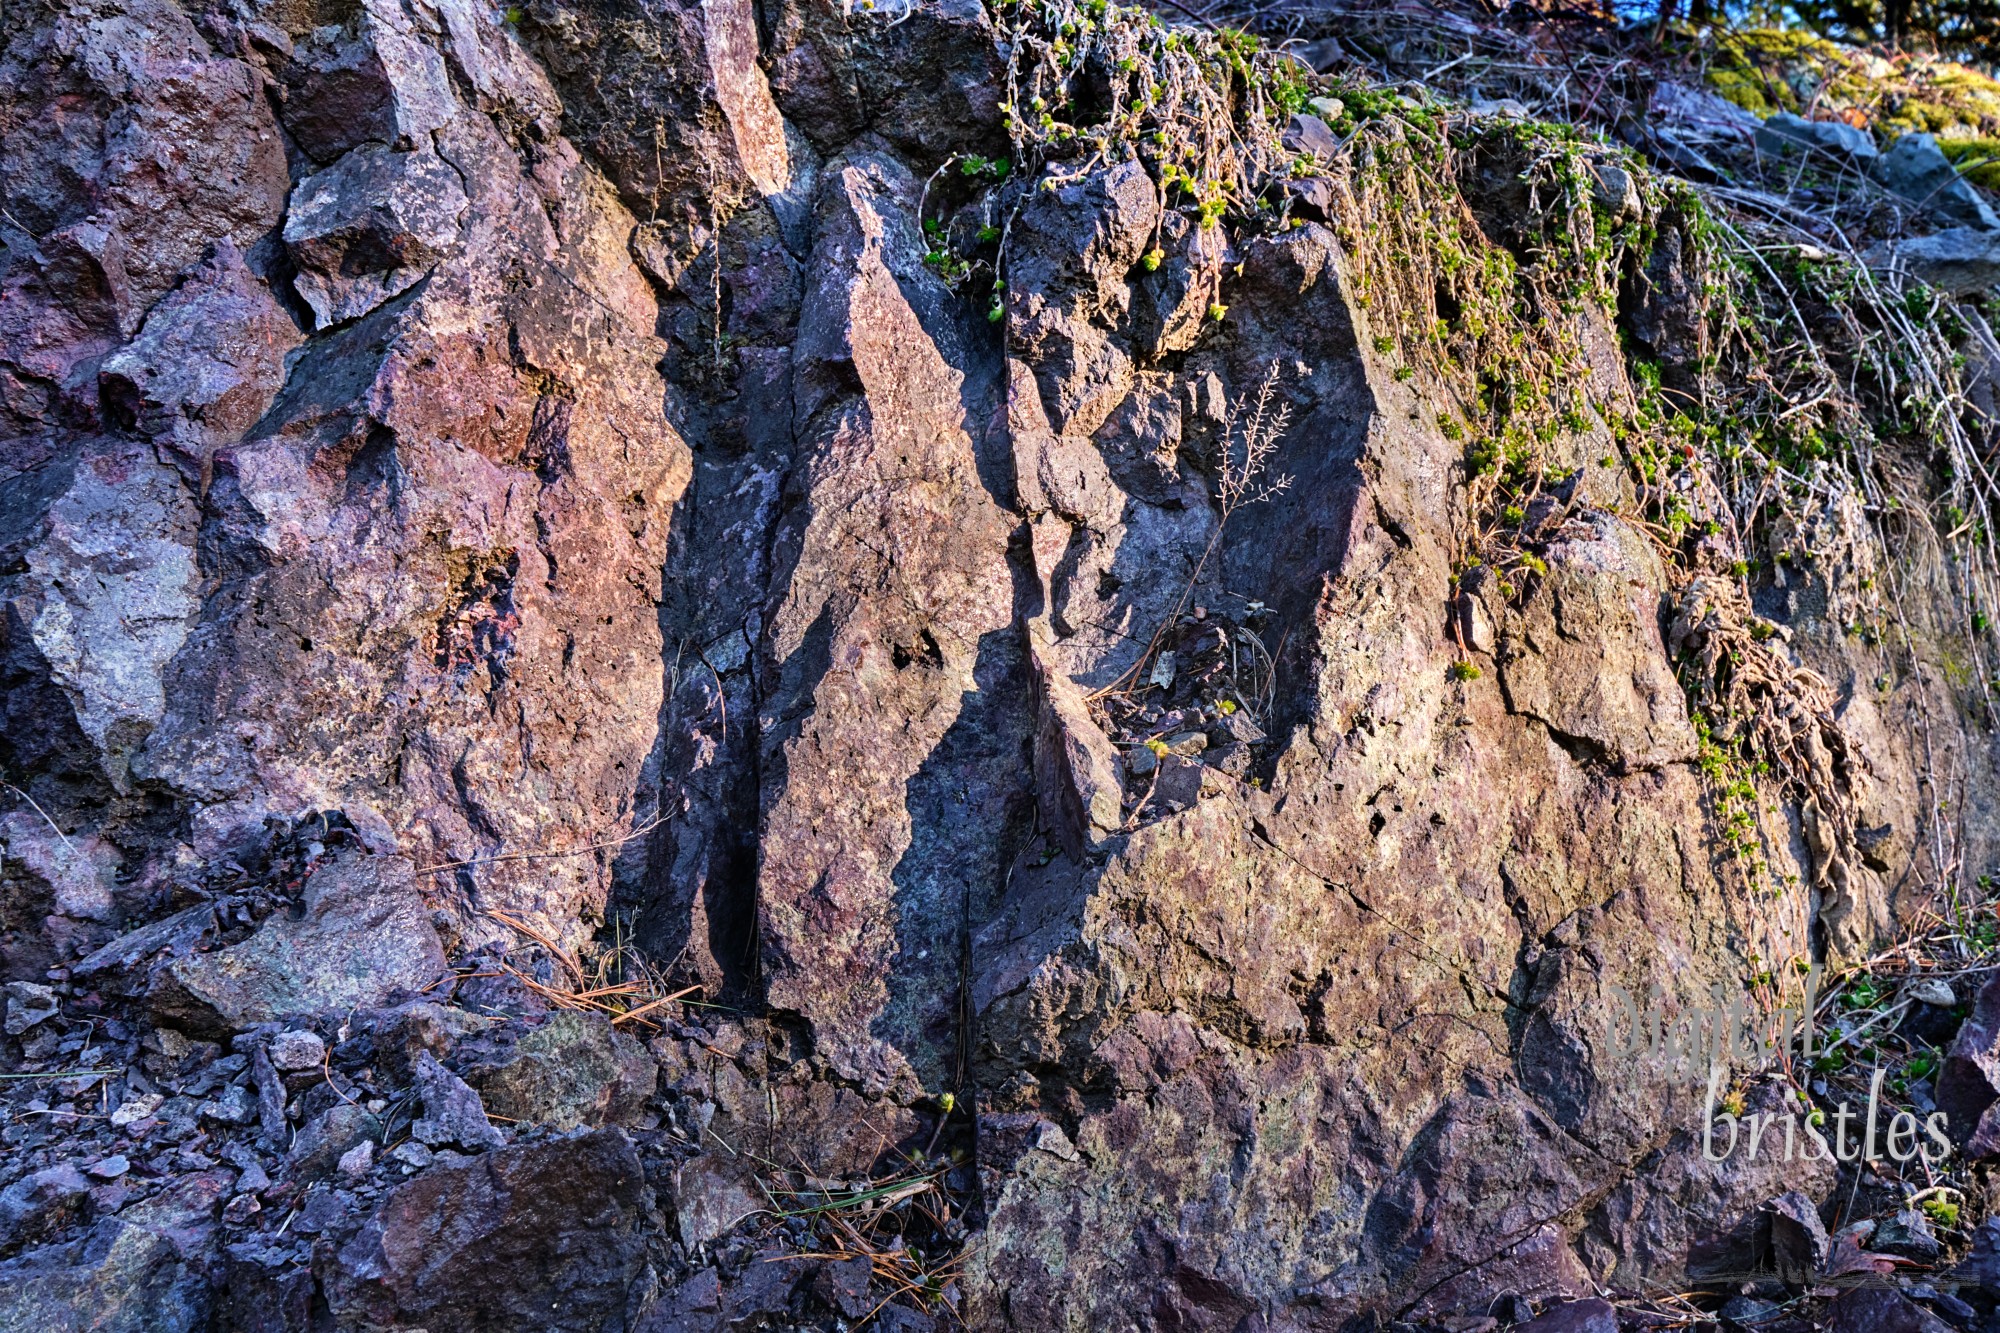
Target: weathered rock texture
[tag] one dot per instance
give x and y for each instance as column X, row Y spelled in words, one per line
column 537, row 442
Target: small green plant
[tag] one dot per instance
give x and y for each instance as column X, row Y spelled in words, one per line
column 1941, row 1211
column 1463, row 670
column 1865, row 993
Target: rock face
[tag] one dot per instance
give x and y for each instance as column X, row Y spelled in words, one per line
column 544, row 1237
column 542, row 447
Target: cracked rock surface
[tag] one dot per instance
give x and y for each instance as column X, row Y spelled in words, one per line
column 481, row 490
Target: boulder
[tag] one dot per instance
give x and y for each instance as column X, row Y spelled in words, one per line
column 1981, row 1267
column 363, row 935
column 1785, row 132
column 545, row 1237
column 1917, row 170
column 139, row 1272
column 121, row 1279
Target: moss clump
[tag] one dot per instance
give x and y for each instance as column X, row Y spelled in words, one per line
column 1977, row 159
column 1767, row 70
column 1764, row 70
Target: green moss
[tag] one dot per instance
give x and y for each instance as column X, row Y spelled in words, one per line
column 1979, row 159
column 1764, row 70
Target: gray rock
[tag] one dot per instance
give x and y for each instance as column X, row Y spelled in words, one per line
column 412, row 1154
column 328, row 1137
column 357, row 1161
column 364, row 935
column 369, row 227
column 1799, row 1244
column 1932, row 991
column 1616, row 193
column 1959, row 260
column 711, row 1195
column 1077, row 782
column 1879, row 1310
column 270, row 1087
column 232, row 1105
column 296, row 1050
column 547, row 1237
column 1749, row 1312
column 453, row 1115
column 123, row 1278
column 572, row 1070
column 1310, row 135
column 1908, row 1234
column 1968, row 1083
column 42, row 1202
column 1981, row 1267
column 28, row 1003
column 110, row 1168
column 1916, row 169
column 1237, row 726
column 1179, row 784
column 1785, row 132
column 1586, row 1316
column 1951, row 1308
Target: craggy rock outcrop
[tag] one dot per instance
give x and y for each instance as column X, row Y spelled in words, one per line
column 485, row 490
